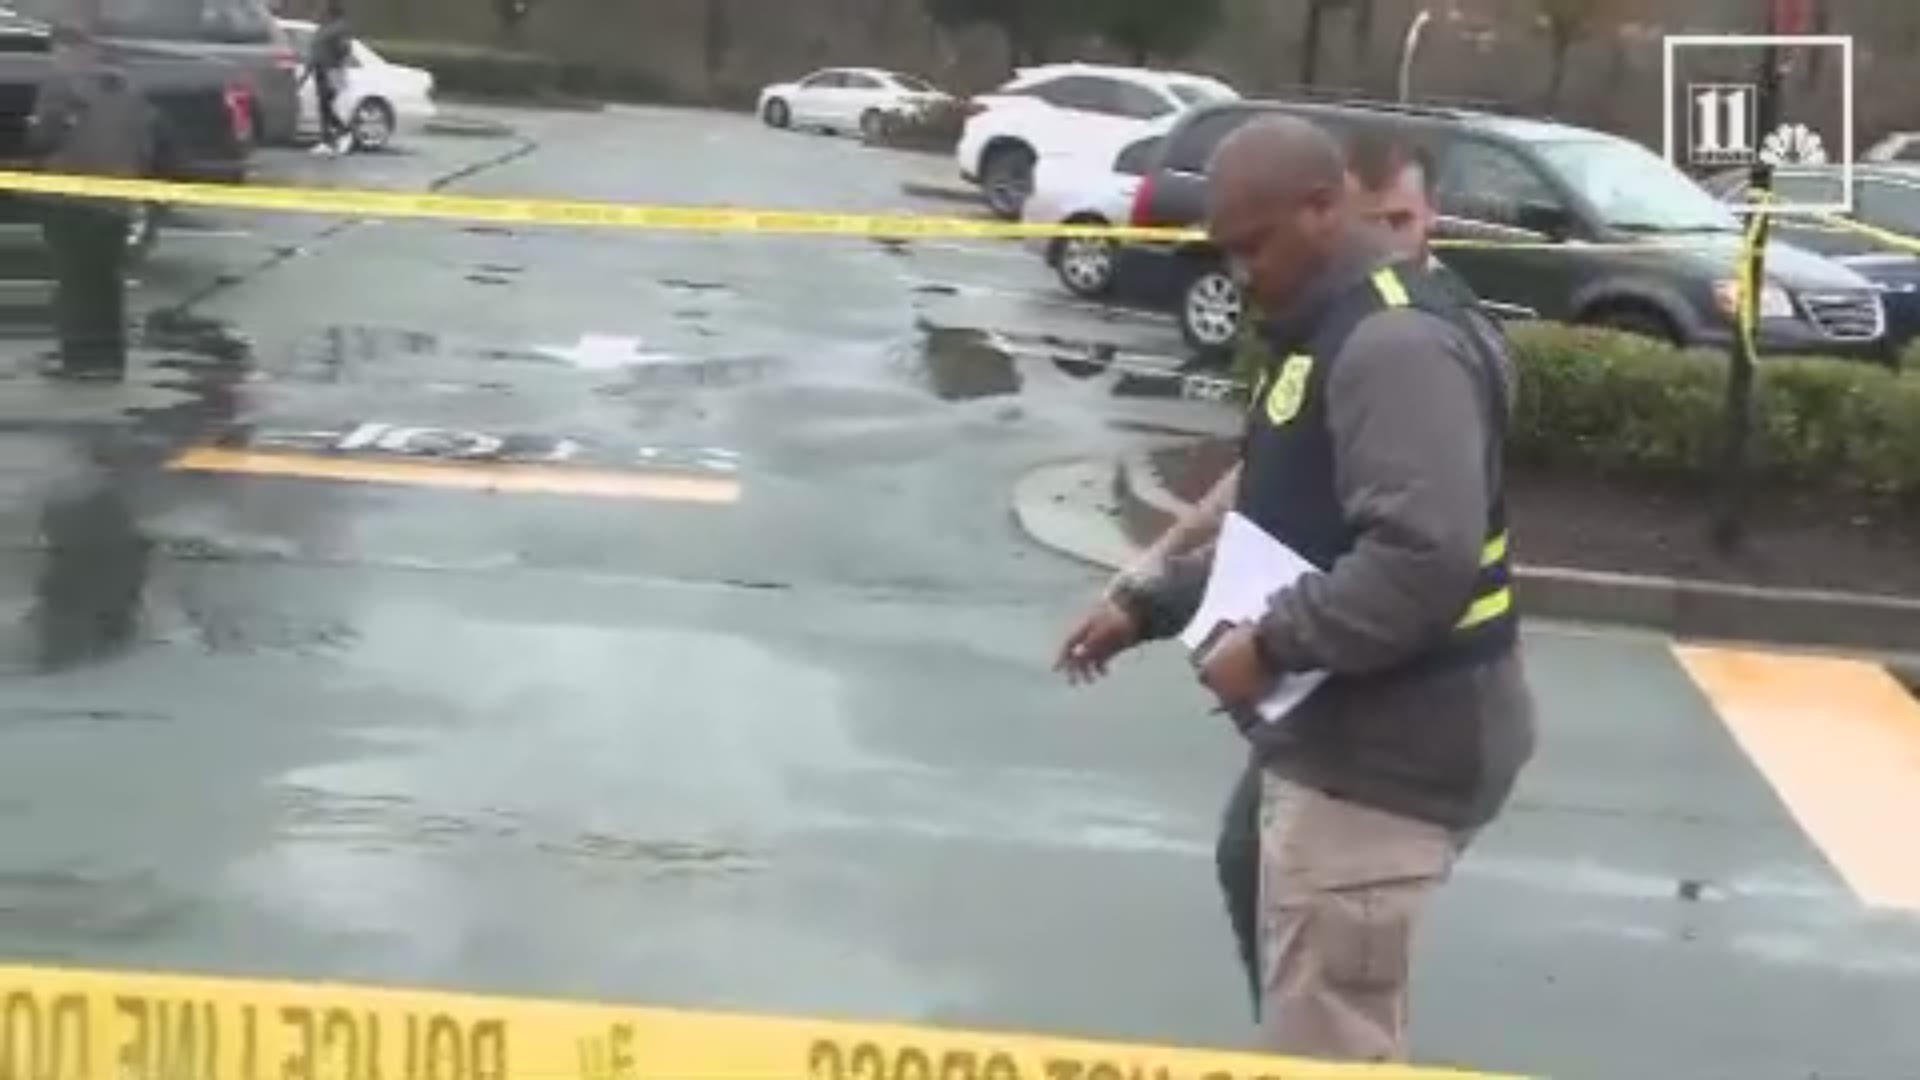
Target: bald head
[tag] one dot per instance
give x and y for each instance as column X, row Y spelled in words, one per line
column 1278, row 161
column 1279, row 204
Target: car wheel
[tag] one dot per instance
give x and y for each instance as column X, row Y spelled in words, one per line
column 872, row 126
column 1210, row 314
column 1635, row 319
column 1086, row 265
column 373, row 124
column 776, row 114
column 1007, row 178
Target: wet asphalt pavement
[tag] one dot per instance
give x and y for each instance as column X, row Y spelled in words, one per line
column 790, row 746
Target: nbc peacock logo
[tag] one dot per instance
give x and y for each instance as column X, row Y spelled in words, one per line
column 1793, row 144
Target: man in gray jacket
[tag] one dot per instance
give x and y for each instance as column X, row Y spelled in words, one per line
column 1373, row 448
column 1392, row 180
column 90, row 120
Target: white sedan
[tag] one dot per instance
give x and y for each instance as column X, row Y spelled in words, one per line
column 380, row 98
column 1079, row 187
column 846, row 99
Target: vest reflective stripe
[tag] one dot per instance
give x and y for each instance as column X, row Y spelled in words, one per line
column 1287, row 453
column 1392, row 292
column 1494, row 551
column 1487, row 608
column 1493, row 597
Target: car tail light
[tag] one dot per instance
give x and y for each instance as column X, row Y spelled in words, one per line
column 1141, row 217
column 239, row 101
column 286, row 59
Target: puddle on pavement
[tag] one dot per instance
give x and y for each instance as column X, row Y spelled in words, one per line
column 965, row 364
column 70, row 901
column 693, row 286
column 67, row 716
column 385, row 821
column 713, row 373
column 87, row 598
column 266, row 632
column 634, row 365
column 88, row 591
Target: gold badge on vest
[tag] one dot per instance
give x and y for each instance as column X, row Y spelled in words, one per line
column 1289, row 389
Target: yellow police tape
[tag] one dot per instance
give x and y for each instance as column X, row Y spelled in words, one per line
column 363, row 202
column 94, row 1025
column 360, row 202
column 719, row 219
column 1896, row 240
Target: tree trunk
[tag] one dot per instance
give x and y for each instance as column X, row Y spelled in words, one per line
column 1556, row 72
column 1310, row 43
column 1817, row 58
column 1616, row 78
column 1362, row 32
column 717, row 41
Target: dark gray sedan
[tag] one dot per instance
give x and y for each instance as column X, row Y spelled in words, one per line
column 240, row 33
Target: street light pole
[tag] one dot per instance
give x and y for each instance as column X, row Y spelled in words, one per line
column 1729, row 521
column 1410, row 46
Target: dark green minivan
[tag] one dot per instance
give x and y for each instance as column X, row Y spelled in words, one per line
column 1578, row 226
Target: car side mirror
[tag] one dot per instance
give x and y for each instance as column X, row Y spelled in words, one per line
column 1551, row 221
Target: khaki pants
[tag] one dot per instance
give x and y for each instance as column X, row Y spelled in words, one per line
column 1341, row 886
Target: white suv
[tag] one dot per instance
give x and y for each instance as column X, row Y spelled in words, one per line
column 1087, row 108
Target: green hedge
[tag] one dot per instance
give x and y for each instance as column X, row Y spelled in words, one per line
column 487, row 72
column 1607, row 403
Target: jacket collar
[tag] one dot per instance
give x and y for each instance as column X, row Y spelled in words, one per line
column 1357, row 258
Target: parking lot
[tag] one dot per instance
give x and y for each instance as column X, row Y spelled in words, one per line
column 759, row 716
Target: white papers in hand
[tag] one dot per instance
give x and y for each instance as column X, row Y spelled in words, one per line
column 1249, row 566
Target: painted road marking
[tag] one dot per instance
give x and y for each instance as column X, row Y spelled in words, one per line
column 489, row 477
column 606, row 352
column 1839, row 741
column 75, row 1025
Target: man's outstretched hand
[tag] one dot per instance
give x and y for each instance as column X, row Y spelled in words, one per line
column 1104, row 633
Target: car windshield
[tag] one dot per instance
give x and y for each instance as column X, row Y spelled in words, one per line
column 1633, row 188
column 1199, row 93
column 1890, row 202
column 918, row 86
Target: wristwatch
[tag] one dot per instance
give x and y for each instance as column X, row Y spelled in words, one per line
column 1128, row 592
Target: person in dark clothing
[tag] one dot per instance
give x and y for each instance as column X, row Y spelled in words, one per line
column 1374, row 450
column 327, row 59
column 1392, row 180
column 90, row 120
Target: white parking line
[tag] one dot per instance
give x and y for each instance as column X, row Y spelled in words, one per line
column 185, row 232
